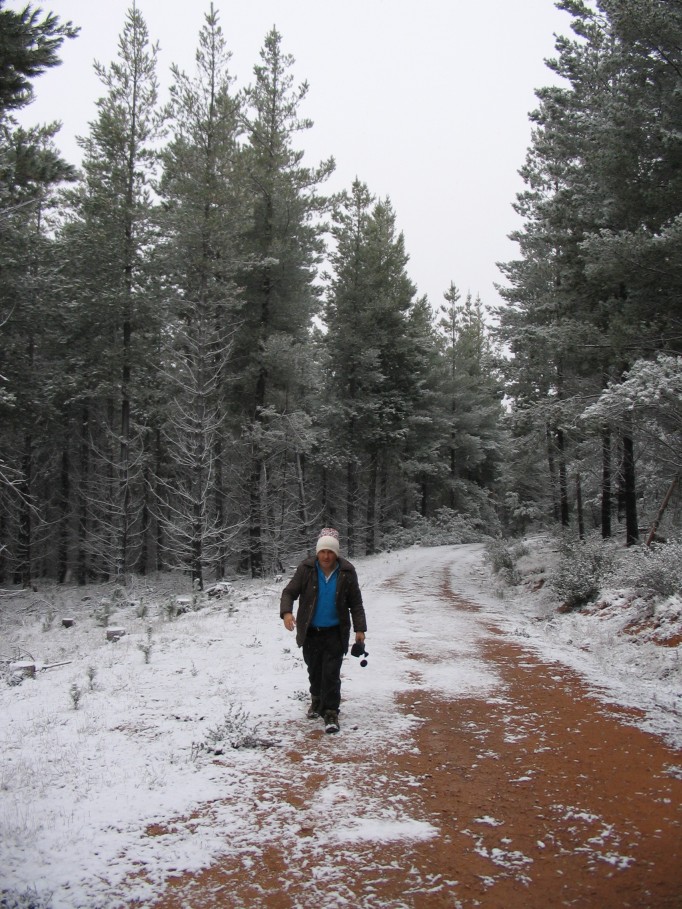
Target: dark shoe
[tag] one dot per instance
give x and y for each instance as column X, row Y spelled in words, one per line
column 331, row 721
column 314, row 709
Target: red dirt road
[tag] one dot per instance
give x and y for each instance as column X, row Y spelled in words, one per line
column 541, row 797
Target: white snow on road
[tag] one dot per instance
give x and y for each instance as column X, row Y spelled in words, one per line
column 96, row 751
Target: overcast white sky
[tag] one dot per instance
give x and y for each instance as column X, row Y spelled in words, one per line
column 425, row 102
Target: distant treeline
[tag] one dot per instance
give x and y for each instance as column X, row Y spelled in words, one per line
column 204, row 357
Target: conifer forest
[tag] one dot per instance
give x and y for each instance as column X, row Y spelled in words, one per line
column 206, row 356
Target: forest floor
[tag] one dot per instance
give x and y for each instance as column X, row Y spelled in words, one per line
column 540, row 795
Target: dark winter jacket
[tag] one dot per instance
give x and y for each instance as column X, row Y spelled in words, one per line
column 303, row 587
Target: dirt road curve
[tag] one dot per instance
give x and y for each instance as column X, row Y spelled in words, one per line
column 540, row 797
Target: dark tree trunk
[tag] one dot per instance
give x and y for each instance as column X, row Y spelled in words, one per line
column 123, row 503
column 606, row 483
column 84, row 458
column 197, row 556
column 109, row 517
column 3, row 536
column 383, row 493
column 579, row 506
column 25, row 536
column 324, row 498
column 255, row 496
column 551, row 465
column 563, row 480
column 198, row 525
column 161, row 563
column 302, row 499
column 370, row 547
column 661, row 511
column 255, row 505
column 453, row 474
column 145, row 521
column 219, row 506
column 64, row 500
column 629, row 489
column 352, row 491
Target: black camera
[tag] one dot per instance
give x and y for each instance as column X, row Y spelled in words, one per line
column 358, row 650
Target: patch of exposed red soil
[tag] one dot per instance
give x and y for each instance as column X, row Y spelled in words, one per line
column 655, row 631
column 542, row 797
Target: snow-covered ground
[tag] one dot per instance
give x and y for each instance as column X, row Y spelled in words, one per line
column 628, row 647
column 114, row 737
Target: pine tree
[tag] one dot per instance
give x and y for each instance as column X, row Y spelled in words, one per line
column 28, row 347
column 375, row 358
column 202, row 225
column 420, row 463
column 284, row 245
column 30, row 170
column 108, row 238
column 472, row 392
column 604, row 199
column 30, row 45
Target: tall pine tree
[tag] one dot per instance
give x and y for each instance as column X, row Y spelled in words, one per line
column 284, row 243
column 203, row 220
column 30, row 171
column 107, row 240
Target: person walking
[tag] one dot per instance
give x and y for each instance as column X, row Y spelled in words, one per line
column 329, row 599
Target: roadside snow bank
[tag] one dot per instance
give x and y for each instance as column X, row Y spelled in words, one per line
column 628, row 648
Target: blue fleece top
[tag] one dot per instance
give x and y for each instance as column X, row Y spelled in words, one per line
column 325, row 615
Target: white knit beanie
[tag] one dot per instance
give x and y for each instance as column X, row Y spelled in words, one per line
column 328, row 539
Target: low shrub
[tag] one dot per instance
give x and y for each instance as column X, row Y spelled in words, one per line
column 581, row 570
column 653, row 569
column 503, row 560
column 445, row 528
column 237, row 730
column 28, row 899
column 103, row 613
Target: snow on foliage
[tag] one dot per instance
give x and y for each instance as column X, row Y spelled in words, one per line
column 653, row 386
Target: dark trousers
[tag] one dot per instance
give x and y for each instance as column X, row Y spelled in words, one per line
column 323, row 655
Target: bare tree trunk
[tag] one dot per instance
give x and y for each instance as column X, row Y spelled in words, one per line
column 579, row 506
column 552, row 473
column 198, row 480
column 197, row 555
column 629, row 489
column 126, row 352
column 108, row 517
column 351, row 492
column 370, row 547
column 124, row 471
column 219, row 506
column 606, row 483
column 302, row 501
column 255, row 505
column 453, row 474
column 84, row 458
column 64, row 499
column 563, row 480
column 324, row 497
column 255, row 497
column 661, row 510
column 25, row 536
column 383, row 493
column 159, row 540
column 145, row 518
column 3, row 549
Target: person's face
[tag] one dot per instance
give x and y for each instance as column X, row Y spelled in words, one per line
column 327, row 560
